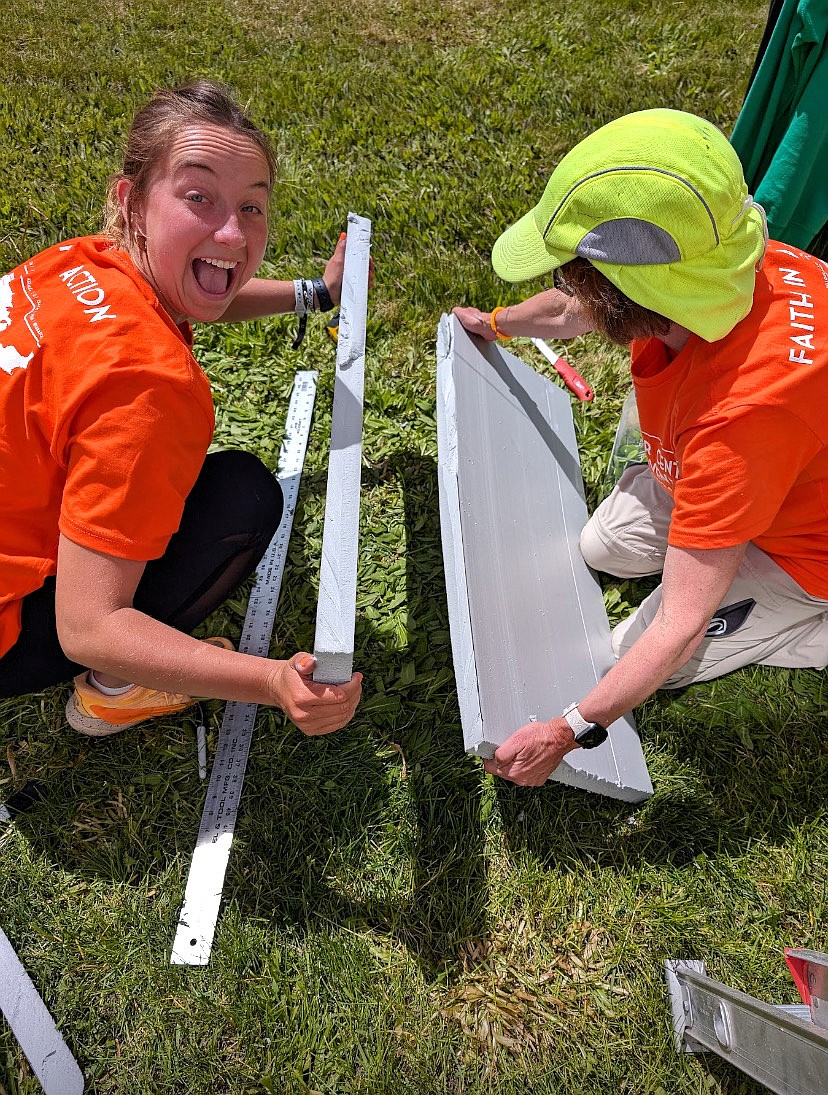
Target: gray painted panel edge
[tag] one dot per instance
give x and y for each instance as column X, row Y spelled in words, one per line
column 33, row 1026
column 462, row 648
column 620, row 770
column 336, row 609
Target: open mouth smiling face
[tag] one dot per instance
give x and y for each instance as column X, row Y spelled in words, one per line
column 204, row 221
column 215, row 276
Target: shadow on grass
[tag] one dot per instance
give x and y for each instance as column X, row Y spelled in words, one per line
column 732, row 761
column 379, row 827
column 375, row 827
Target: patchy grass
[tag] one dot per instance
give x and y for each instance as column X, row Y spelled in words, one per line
column 394, row 921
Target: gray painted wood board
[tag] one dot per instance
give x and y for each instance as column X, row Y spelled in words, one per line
column 336, row 609
column 33, row 1026
column 528, row 626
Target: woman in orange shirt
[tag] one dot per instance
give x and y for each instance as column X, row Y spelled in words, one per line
column 652, row 239
column 118, row 533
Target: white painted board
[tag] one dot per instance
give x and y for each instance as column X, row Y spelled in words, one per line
column 333, row 645
column 34, row 1028
column 529, row 630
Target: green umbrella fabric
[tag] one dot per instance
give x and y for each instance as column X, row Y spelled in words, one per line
column 781, row 134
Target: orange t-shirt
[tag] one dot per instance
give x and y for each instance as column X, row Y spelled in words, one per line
column 105, row 416
column 737, row 430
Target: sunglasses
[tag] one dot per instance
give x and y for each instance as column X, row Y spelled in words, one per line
column 559, row 282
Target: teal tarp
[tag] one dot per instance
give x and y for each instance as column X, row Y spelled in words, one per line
column 781, row 134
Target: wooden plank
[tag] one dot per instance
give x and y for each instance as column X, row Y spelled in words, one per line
column 336, row 610
column 33, row 1026
column 529, row 630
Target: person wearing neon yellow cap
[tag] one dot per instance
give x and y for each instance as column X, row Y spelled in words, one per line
column 652, row 239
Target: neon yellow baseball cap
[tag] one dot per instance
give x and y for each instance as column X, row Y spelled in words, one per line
column 657, row 201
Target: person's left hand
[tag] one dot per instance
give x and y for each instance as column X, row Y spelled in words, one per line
column 476, row 322
column 532, row 753
column 335, row 267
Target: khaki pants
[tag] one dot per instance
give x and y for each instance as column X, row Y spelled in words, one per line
column 765, row 619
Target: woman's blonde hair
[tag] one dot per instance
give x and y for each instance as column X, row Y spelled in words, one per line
column 155, row 126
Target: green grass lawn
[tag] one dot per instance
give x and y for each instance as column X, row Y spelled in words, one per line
column 395, row 921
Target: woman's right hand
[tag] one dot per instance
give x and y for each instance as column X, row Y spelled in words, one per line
column 315, row 708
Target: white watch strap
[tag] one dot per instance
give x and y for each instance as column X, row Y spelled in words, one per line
column 577, row 723
column 299, row 297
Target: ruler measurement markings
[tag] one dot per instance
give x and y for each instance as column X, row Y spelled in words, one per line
column 202, row 898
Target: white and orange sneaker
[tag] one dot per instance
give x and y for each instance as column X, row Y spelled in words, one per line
column 91, row 712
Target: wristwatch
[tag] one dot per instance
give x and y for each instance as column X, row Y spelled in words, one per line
column 587, row 734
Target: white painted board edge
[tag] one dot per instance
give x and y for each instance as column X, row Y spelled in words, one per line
column 462, row 645
column 333, row 645
column 34, row 1028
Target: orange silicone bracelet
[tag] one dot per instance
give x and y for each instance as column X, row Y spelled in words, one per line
column 493, row 324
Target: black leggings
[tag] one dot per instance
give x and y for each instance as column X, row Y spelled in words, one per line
column 229, row 518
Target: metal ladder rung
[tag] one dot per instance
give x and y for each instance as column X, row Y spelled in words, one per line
column 783, row 1046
